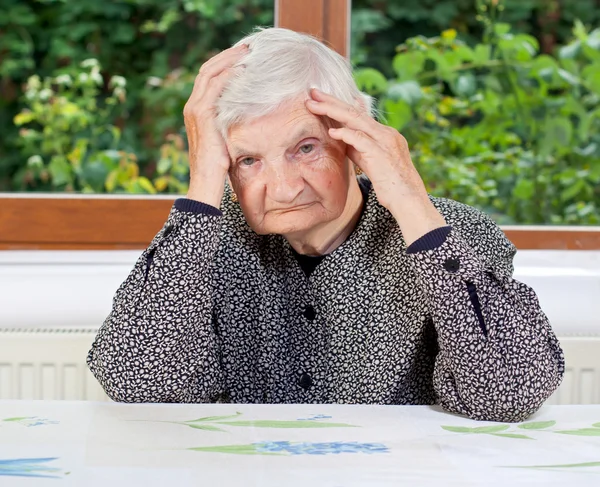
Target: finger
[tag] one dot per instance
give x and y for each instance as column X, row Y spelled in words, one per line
column 215, row 66
column 222, row 60
column 362, row 143
column 217, row 83
column 353, row 117
column 214, row 88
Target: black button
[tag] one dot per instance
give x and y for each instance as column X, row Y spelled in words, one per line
column 309, row 313
column 305, row 381
column 452, row 265
column 168, row 229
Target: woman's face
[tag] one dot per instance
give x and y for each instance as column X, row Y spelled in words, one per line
column 288, row 174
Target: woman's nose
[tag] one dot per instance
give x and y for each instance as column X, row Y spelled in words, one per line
column 284, row 184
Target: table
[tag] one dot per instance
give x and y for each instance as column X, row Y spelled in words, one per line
column 107, row 444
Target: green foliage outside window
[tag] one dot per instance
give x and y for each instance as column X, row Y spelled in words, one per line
column 157, row 46
column 498, row 125
column 502, row 116
column 73, row 144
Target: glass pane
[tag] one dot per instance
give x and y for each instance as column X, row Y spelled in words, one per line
column 498, row 99
column 92, row 93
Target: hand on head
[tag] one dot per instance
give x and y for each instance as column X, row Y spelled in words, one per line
column 209, row 159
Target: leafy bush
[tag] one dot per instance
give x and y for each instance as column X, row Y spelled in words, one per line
column 147, row 42
column 67, row 135
column 503, row 117
column 379, row 26
column 72, row 144
column 498, row 125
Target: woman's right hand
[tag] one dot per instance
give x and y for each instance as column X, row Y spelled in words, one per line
column 208, row 156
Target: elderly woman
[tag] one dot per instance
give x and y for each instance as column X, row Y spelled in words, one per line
column 284, row 278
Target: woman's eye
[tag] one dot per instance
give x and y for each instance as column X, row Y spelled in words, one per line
column 247, row 161
column 307, row 148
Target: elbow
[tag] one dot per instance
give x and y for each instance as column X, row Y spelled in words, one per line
column 507, row 413
column 119, row 396
column 517, row 401
column 518, row 395
column 112, row 378
column 122, row 387
column 505, row 407
column 123, row 390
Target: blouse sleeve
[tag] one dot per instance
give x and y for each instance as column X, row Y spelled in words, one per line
column 498, row 359
column 158, row 343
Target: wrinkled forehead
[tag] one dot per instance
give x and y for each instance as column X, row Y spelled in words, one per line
column 285, row 126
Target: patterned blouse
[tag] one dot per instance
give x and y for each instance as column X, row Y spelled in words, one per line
column 214, row 312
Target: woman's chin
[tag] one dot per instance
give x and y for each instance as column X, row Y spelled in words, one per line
column 290, row 222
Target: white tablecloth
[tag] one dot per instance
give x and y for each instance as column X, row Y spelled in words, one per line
column 105, row 444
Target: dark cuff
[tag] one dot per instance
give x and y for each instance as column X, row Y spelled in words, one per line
column 193, row 206
column 429, row 241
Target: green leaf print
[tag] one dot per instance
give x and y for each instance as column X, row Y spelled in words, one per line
column 491, row 429
column 538, row 425
column 566, row 465
column 478, row 429
column 206, row 427
column 581, row 432
column 236, row 449
column 267, row 423
column 209, row 423
column 596, row 425
column 17, row 419
column 513, row 435
column 458, row 429
column 213, row 418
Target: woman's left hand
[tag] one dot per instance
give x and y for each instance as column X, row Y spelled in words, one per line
column 382, row 154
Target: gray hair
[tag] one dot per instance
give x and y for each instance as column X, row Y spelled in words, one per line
column 283, row 65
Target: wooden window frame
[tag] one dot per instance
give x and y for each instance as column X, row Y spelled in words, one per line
column 106, row 222
column 328, row 20
column 111, row 222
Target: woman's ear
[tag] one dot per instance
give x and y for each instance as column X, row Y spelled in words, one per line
column 228, row 180
column 234, row 197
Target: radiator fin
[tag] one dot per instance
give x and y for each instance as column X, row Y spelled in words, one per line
column 47, row 364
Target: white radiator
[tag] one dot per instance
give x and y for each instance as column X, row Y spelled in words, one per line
column 50, row 364
column 581, row 384
column 47, row 363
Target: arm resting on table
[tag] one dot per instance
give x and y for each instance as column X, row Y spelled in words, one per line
column 158, row 343
column 498, row 359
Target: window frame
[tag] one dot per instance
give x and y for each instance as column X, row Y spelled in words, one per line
column 115, row 222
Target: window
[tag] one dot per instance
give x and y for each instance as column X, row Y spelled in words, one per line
column 446, row 93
